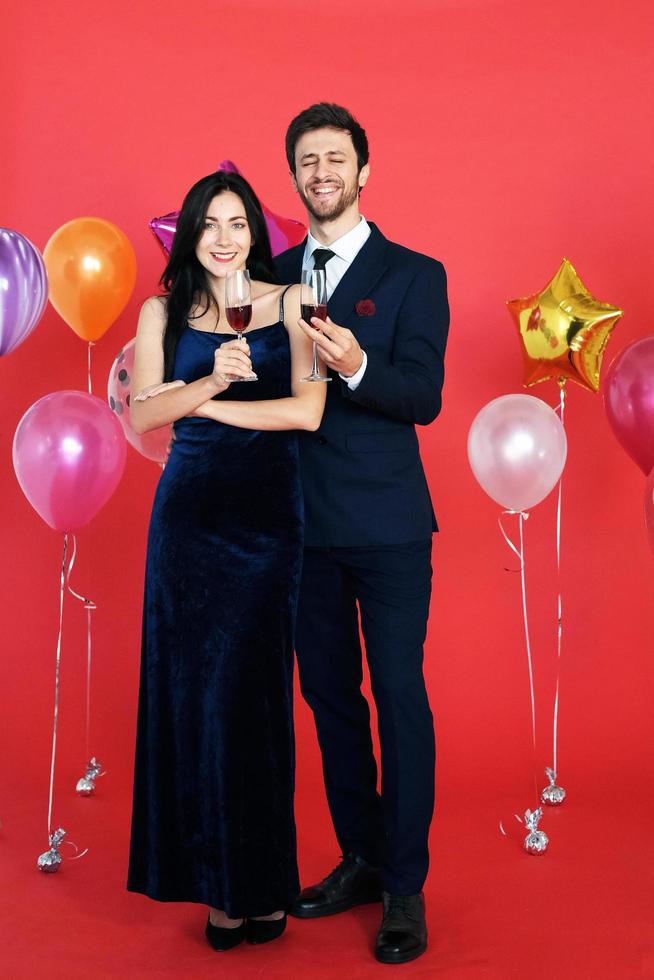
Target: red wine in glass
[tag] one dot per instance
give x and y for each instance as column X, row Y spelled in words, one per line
column 239, row 317
column 309, row 310
column 313, row 302
column 238, row 307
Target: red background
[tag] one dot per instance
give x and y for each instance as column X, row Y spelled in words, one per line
column 504, row 136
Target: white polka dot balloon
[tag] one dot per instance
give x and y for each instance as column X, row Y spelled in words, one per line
column 154, row 444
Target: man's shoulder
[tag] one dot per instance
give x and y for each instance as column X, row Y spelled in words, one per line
column 403, row 258
column 407, row 258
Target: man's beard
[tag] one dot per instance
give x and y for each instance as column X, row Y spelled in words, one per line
column 347, row 199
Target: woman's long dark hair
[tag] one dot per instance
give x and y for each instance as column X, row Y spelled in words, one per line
column 184, row 278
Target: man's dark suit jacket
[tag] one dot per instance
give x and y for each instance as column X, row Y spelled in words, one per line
column 363, row 480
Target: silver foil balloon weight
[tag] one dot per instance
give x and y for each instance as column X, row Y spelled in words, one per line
column 86, row 785
column 50, row 860
column 553, row 795
column 536, row 840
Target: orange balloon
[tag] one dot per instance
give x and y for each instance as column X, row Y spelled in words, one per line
column 91, row 269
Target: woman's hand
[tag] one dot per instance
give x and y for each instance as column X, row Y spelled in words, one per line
column 231, row 360
column 153, row 390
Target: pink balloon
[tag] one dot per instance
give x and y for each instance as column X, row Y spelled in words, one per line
column 517, row 449
column 69, row 456
column 649, row 509
column 154, row 444
column 629, row 401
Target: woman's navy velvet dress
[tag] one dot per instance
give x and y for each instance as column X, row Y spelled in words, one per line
column 213, row 795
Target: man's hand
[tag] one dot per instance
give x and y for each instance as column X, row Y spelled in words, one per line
column 338, row 346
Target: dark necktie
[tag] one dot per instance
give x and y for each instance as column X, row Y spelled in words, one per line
column 321, row 257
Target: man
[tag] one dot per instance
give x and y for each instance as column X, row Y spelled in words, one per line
column 369, row 523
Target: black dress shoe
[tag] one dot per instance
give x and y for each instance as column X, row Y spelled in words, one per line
column 403, row 933
column 264, row 930
column 353, row 882
column 223, row 939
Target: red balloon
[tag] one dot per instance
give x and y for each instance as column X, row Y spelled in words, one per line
column 629, row 401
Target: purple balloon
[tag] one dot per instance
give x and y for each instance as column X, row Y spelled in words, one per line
column 283, row 232
column 517, row 449
column 69, row 456
column 23, row 289
column 629, row 401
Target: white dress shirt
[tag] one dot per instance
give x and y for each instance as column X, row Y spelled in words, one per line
column 345, row 250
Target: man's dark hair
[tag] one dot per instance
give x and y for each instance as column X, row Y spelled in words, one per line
column 184, row 278
column 319, row 116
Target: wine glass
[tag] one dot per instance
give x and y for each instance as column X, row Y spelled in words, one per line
column 313, row 300
column 238, row 307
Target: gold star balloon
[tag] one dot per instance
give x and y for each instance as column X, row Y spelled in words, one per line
column 563, row 330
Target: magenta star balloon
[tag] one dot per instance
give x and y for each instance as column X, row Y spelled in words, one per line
column 284, row 232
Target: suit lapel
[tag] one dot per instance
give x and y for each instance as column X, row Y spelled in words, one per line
column 357, row 283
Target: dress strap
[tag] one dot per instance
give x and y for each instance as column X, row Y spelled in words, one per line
column 281, row 304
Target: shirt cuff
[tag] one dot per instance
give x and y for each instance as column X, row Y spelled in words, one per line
column 354, row 380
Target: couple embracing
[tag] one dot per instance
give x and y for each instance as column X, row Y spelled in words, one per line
column 288, row 511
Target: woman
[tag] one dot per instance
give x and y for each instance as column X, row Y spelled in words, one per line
column 213, row 796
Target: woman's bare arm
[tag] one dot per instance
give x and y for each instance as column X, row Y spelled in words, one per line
column 175, row 401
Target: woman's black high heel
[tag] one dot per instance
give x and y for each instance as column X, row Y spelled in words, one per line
column 264, row 930
column 223, row 939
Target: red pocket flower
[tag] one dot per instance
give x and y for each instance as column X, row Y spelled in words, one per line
column 365, row 307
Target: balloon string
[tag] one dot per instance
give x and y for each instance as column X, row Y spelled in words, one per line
column 62, row 588
column 89, row 610
column 559, row 604
column 90, row 607
column 88, row 367
column 528, row 646
column 520, row 552
column 508, row 539
column 518, row 818
column 79, row 854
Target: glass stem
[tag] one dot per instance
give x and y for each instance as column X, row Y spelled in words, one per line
column 315, row 358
